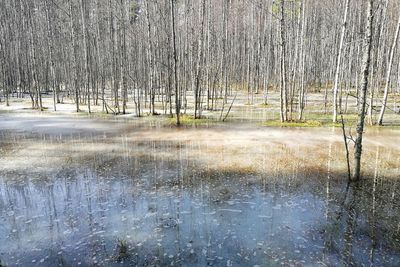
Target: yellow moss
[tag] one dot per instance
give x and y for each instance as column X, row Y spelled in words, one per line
column 237, row 168
column 263, row 105
column 328, row 117
column 310, row 123
column 188, row 120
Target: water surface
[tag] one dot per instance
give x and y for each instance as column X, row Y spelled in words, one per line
column 141, row 197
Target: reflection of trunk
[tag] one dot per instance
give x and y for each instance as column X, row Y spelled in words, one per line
column 363, row 93
column 328, row 237
column 373, row 215
column 347, row 255
column 328, row 183
column 327, row 189
column 392, row 50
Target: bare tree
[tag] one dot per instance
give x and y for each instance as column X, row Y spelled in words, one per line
column 338, row 61
column 389, row 72
column 367, row 46
column 175, row 63
column 283, row 83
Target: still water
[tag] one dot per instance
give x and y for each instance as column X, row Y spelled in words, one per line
column 120, row 208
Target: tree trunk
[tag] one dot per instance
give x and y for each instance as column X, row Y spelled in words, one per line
column 283, row 91
column 389, row 72
column 338, row 61
column 363, row 92
column 176, row 67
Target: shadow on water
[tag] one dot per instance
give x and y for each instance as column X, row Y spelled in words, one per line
column 146, row 212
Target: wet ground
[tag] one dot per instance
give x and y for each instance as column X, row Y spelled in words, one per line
column 93, row 192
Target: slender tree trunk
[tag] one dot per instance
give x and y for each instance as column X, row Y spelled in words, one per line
column 150, row 60
column 363, row 92
column 338, row 61
column 197, row 93
column 176, row 67
column 86, row 45
column 124, row 61
column 283, row 91
column 389, row 72
column 75, row 57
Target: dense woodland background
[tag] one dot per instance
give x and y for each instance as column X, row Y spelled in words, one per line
column 162, row 54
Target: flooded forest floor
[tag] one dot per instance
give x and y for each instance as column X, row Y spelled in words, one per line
column 105, row 190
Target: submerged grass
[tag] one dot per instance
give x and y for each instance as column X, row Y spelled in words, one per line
column 122, row 250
